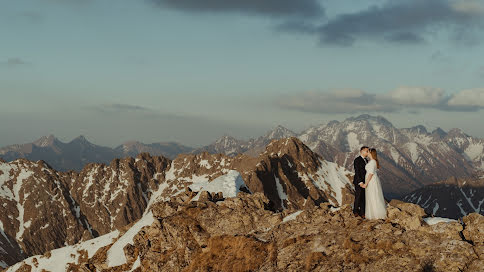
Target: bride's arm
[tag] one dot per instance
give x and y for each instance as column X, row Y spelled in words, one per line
column 371, row 172
column 370, row 175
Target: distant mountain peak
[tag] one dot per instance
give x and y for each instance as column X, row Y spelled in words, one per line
column 45, row 141
column 131, row 143
column 456, row 131
column 420, row 129
column 439, row 132
column 331, row 123
column 280, row 132
column 226, row 138
column 81, row 140
column 287, row 146
column 367, row 117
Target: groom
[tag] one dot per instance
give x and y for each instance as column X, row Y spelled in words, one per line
column 360, row 172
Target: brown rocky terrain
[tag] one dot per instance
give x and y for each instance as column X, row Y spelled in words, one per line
column 242, row 234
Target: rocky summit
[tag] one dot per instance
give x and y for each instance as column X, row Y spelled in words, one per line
column 243, row 234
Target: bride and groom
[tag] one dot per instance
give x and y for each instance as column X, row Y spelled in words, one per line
column 369, row 200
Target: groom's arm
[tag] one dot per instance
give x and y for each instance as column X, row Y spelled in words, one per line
column 356, row 178
column 360, row 169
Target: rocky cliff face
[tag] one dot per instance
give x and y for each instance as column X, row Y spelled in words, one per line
column 242, row 234
column 42, row 209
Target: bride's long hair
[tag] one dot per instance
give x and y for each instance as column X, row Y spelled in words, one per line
column 375, row 157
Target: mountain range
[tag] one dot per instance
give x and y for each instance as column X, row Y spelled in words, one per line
column 411, row 158
column 79, row 152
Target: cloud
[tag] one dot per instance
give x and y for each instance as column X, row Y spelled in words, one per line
column 279, row 8
column 120, row 108
column 418, row 96
column 126, row 107
column 136, row 111
column 400, row 22
column 335, row 101
column 13, row 62
column 405, row 37
column 471, row 99
column 411, row 99
column 403, row 22
column 297, row 27
column 468, row 7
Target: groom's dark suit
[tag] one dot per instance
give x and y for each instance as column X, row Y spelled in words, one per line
column 360, row 173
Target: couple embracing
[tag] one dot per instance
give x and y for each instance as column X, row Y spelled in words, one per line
column 369, row 200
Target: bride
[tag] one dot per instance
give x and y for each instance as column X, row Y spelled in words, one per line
column 375, row 203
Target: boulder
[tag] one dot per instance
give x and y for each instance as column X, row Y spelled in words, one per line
column 474, row 228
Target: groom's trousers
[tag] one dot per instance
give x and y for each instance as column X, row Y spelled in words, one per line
column 359, row 205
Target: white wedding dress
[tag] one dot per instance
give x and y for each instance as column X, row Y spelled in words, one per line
column 375, row 206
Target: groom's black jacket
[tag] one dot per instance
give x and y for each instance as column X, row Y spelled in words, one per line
column 360, row 170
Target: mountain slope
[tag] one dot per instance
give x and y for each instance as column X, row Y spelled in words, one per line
column 453, row 198
column 42, row 209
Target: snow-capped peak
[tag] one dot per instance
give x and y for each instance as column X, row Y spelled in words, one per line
column 279, row 132
column 45, row 141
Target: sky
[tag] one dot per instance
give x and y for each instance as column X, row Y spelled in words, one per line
column 192, row 71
